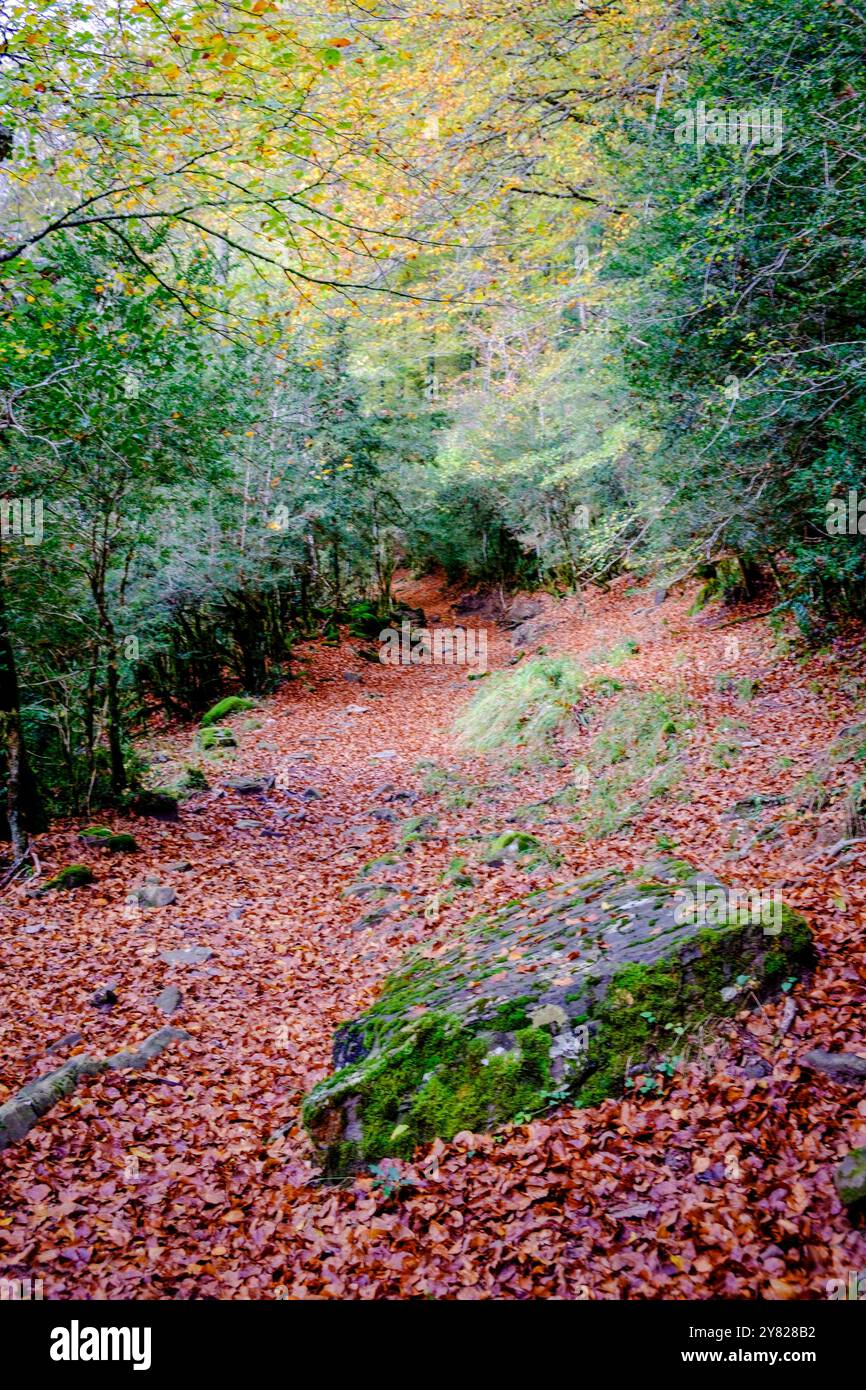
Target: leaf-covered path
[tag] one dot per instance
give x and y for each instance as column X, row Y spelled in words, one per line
column 194, row 1179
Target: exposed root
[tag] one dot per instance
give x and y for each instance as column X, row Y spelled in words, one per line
column 27, row 1106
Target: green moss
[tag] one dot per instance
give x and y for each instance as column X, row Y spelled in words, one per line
column 217, row 738
column 513, row 1014
column 644, row 1003
column 154, row 801
column 118, row 841
column 121, row 843
column 441, row 1080
column 73, row 876
column 232, row 704
column 436, row 1054
column 194, row 779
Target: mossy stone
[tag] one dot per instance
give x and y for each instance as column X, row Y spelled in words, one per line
column 459, row 1037
column 119, row 842
column 217, row 738
column 232, row 704
column 156, row 802
column 850, row 1178
column 72, row 876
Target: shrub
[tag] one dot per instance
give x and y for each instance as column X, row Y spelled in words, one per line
column 529, row 705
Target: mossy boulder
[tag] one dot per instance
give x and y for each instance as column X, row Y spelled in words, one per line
column 158, row 802
column 557, row 995
column 232, row 704
column 72, row 876
column 118, row 841
column 217, row 737
column 194, row 779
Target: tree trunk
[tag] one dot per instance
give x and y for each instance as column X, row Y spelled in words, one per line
column 23, row 811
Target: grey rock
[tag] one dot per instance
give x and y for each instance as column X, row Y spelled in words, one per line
column 68, row 1040
column 154, row 895
column 187, row 955
column 521, row 610
column 248, row 785
column 756, row 1067
column 845, row 1067
column 384, row 756
column 353, row 678
column 529, row 633
column 169, row 1000
column 104, row 997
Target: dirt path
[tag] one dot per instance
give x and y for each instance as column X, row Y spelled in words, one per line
column 171, row 1184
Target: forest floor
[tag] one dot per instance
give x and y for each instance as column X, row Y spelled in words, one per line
column 194, row 1178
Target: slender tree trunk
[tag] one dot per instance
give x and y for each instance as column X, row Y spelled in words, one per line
column 115, row 739
column 108, row 639
column 24, row 811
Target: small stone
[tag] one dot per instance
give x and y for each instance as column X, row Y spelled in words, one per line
column 236, row 913
column 310, row 794
column 245, row 823
column 353, row 678
column 385, row 755
column 839, row 1066
column 153, row 895
column 187, row 955
column 850, row 1177
column 756, row 1067
column 179, row 866
column 67, row 1041
column 104, row 998
column 247, row 785
column 357, row 709
column 169, row 1000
